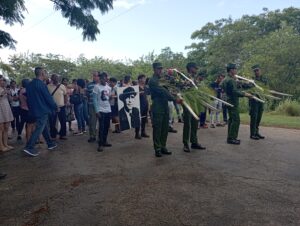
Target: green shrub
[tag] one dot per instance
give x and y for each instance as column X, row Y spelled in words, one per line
column 288, row 107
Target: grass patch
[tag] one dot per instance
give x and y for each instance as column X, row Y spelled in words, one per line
column 272, row 120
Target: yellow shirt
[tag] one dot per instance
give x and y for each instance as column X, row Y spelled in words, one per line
column 59, row 95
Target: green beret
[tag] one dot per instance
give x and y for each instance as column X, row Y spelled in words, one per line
column 255, row 67
column 231, row 66
column 191, row 65
column 157, row 65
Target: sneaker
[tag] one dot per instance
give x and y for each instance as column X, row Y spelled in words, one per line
column 52, row 146
column 100, row 149
column 31, row 152
column 77, row 133
column 212, row 126
column 84, row 131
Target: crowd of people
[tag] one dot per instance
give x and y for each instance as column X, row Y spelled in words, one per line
column 48, row 107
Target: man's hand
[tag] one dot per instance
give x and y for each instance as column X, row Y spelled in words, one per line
column 179, row 101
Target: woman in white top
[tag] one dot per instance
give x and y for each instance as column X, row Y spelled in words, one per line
column 6, row 116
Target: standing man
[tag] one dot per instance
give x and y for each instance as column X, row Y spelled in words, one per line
column 15, row 107
column 230, row 88
column 91, row 109
column 256, row 108
column 190, row 124
column 101, row 97
column 59, row 92
column 160, row 111
column 40, row 104
column 144, row 106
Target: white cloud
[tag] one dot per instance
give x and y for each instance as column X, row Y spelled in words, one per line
column 127, row 4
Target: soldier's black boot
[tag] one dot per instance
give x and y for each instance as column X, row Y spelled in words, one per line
column 2, row 175
column 186, row 148
column 165, row 151
column 254, row 137
column 197, row 146
column 158, row 153
column 233, row 141
column 260, row 136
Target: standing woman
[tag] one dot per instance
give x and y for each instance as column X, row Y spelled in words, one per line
column 6, row 116
column 78, row 105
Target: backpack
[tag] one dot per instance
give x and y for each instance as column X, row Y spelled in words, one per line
column 76, row 98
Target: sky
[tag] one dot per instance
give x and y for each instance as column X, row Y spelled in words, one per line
column 132, row 29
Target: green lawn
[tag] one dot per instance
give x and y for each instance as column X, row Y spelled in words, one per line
column 275, row 120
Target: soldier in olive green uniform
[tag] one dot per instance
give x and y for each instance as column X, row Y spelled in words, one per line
column 229, row 85
column 160, row 111
column 256, row 108
column 190, row 123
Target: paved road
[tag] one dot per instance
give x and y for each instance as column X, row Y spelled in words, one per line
column 256, row 183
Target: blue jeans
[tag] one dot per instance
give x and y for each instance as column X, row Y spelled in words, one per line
column 85, row 111
column 78, row 109
column 41, row 127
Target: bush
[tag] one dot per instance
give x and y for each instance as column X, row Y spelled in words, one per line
column 288, row 107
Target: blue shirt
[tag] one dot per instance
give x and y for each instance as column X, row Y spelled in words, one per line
column 39, row 100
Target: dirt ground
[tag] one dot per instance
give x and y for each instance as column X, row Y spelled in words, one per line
column 256, row 183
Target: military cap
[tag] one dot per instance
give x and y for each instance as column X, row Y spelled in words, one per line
column 255, row 67
column 231, row 66
column 191, row 65
column 157, row 65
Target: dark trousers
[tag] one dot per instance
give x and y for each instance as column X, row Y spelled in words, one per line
column 224, row 107
column 202, row 118
column 256, row 111
column 62, row 120
column 144, row 115
column 160, row 123
column 104, row 122
column 16, row 123
column 189, row 128
column 233, row 123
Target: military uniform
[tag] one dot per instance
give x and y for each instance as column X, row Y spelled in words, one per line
column 229, row 86
column 190, row 125
column 160, row 113
column 256, row 108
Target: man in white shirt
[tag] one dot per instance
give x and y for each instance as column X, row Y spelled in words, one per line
column 59, row 93
column 101, row 97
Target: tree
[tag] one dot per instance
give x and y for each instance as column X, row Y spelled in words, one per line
column 78, row 13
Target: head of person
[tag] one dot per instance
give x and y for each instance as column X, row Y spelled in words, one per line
column 65, row 81
column 95, row 76
column 220, row 77
column 13, row 84
column 231, row 69
column 127, row 97
column 81, row 83
column 113, row 82
column 201, row 75
column 142, row 79
column 40, row 73
column 127, row 79
column 192, row 68
column 54, row 79
column 25, row 82
column 256, row 70
column 103, row 77
column 157, row 68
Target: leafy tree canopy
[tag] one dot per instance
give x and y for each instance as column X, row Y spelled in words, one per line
column 78, row 13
